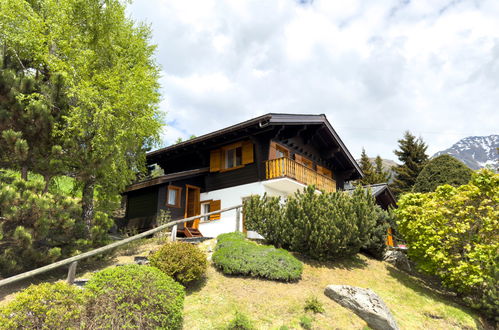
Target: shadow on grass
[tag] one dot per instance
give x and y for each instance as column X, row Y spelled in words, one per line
column 428, row 288
column 196, row 286
column 349, row 263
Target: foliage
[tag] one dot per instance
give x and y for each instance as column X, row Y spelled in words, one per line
column 372, row 174
column 441, row 170
column 38, row 228
column 180, row 260
column 376, row 238
column 133, row 296
column 240, row 322
column 413, row 156
column 238, row 256
column 312, row 304
column 79, row 94
column 44, row 306
column 306, row 322
column 322, row 226
column 453, row 233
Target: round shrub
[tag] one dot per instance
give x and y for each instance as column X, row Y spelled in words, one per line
column 44, row 306
column 182, row 261
column 133, row 296
column 235, row 255
column 441, row 170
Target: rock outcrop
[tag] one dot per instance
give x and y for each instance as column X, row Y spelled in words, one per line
column 398, row 259
column 365, row 303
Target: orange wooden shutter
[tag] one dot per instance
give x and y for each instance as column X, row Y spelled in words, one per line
column 324, row 171
column 247, row 152
column 215, row 206
column 215, row 160
column 298, row 158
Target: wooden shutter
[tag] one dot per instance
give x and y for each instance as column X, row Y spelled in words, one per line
column 215, row 160
column 215, row 206
column 324, row 171
column 299, row 159
column 247, row 152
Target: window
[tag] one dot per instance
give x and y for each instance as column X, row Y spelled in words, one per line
column 173, row 196
column 205, row 208
column 277, row 151
column 233, row 157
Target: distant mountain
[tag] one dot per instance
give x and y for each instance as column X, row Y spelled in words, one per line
column 475, row 151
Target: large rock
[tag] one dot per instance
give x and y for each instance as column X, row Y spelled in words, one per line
column 398, row 259
column 365, row 303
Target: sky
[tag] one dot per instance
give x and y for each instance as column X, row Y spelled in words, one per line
column 375, row 68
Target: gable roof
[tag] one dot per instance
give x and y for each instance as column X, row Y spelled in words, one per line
column 377, row 190
column 261, row 122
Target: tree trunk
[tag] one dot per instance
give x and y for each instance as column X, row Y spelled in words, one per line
column 24, row 173
column 47, row 179
column 87, row 201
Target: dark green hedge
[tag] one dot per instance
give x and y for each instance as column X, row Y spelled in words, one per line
column 237, row 256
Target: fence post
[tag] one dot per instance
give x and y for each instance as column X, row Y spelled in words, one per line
column 174, row 233
column 72, row 272
column 238, row 219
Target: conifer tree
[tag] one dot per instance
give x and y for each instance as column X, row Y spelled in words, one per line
column 367, row 168
column 412, row 154
column 382, row 176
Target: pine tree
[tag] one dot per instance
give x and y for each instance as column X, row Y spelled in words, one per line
column 413, row 156
column 367, row 168
column 382, row 176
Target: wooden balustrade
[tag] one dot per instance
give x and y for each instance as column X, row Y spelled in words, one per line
column 285, row 167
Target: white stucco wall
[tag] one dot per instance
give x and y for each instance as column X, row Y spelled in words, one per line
column 230, row 197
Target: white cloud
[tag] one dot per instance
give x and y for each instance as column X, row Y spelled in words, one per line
column 375, row 68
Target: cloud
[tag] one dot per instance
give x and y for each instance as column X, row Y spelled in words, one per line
column 375, row 68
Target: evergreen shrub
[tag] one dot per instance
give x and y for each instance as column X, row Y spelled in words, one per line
column 235, row 255
column 240, row 322
column 441, row 170
column 453, row 233
column 182, row 261
column 44, row 306
column 133, row 296
column 322, row 226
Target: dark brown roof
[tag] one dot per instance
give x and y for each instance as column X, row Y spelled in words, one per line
column 165, row 178
column 263, row 121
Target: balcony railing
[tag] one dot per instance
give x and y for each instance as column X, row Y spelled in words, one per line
column 285, row 167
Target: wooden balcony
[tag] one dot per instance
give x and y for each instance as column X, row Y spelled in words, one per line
column 287, row 168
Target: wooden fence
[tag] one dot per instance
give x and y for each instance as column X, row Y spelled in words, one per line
column 73, row 260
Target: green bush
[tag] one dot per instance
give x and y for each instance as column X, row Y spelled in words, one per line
column 133, row 296
column 441, row 170
column 453, row 233
column 322, row 226
column 182, row 261
column 240, row 322
column 44, row 306
column 238, row 256
column 312, row 304
column 306, row 322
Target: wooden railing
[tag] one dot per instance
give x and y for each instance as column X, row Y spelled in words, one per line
column 285, row 167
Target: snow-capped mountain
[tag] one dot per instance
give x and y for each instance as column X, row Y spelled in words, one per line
column 475, row 151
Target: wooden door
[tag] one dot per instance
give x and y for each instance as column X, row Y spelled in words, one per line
column 192, row 205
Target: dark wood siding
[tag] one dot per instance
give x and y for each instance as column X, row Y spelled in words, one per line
column 142, row 203
column 220, row 180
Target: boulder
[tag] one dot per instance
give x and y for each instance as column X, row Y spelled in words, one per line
column 398, row 259
column 365, row 303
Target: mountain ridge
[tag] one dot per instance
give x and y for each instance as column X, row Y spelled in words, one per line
column 475, row 151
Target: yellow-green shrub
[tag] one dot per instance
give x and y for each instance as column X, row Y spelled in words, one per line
column 44, row 306
column 454, row 234
column 182, row 261
column 133, row 296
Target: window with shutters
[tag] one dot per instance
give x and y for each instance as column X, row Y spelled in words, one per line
column 211, row 206
column 230, row 157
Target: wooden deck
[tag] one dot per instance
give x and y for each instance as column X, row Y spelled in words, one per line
column 288, row 168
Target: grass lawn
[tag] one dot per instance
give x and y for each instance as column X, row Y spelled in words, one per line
column 212, row 302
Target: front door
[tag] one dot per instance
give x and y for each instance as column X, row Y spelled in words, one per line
column 192, row 205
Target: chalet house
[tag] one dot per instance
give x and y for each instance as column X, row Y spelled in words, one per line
column 276, row 154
